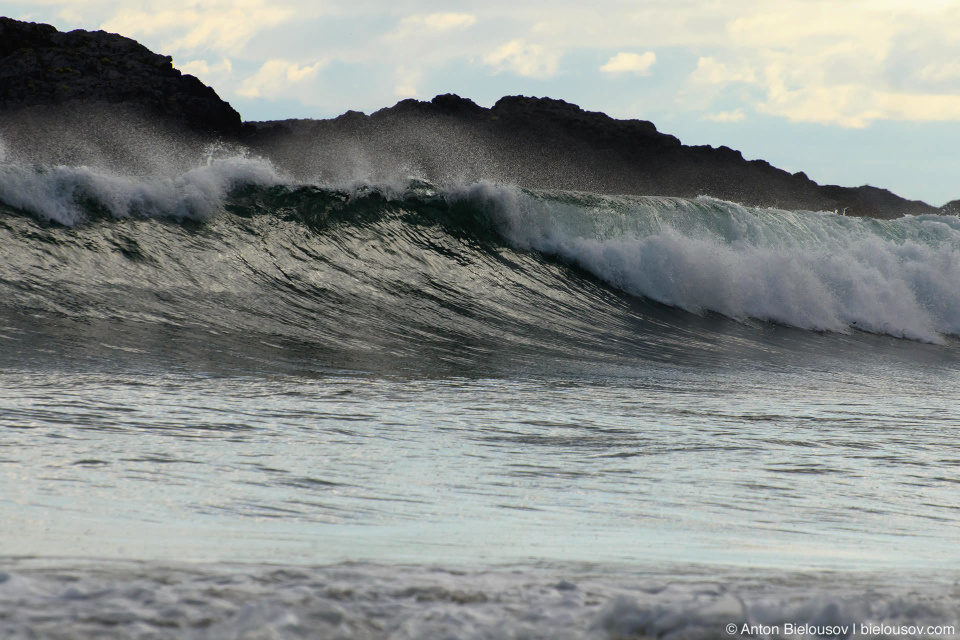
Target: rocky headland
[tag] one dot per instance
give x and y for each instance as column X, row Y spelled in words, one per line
column 546, row 143
column 77, row 88
column 40, row 66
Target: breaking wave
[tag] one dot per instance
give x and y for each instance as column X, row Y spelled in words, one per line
column 262, row 234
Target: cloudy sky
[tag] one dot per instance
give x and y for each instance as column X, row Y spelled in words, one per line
column 849, row 91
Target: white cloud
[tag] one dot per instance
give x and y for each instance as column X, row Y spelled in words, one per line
column 208, row 73
column 709, row 71
column 438, row 22
column 710, row 79
column 625, row 62
column 856, row 107
column 422, row 40
column 736, row 115
column 940, row 72
column 523, row 59
column 795, row 24
column 71, row 16
column 219, row 25
column 929, row 108
column 275, row 78
column 841, row 64
column 406, row 83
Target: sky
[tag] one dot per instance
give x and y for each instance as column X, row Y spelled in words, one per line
column 849, row 91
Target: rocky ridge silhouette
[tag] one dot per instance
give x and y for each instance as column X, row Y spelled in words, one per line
column 41, row 66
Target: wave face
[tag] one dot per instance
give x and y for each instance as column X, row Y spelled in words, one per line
column 233, row 245
column 809, row 270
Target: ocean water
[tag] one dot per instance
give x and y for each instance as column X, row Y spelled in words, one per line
column 235, row 404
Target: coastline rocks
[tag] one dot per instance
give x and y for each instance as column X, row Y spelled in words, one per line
column 551, row 144
column 952, row 208
column 43, row 67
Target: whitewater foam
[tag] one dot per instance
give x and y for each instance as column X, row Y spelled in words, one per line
column 66, row 194
column 370, row 601
column 810, row 270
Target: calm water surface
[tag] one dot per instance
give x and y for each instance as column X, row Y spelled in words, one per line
column 787, row 468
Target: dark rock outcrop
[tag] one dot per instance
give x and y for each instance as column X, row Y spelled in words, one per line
column 545, row 143
column 40, row 66
column 952, row 208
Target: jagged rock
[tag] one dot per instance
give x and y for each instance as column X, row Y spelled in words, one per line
column 40, row 66
column 952, row 208
column 546, row 143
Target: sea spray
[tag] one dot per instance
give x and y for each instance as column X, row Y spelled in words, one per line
column 810, row 270
column 68, row 195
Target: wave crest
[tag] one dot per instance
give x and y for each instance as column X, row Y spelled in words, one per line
column 804, row 269
column 71, row 195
